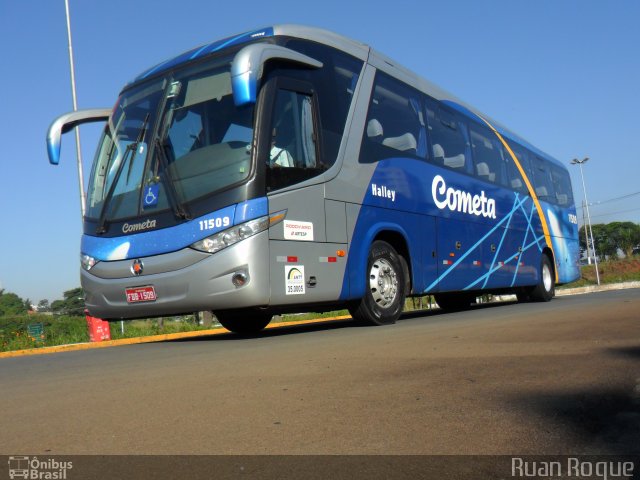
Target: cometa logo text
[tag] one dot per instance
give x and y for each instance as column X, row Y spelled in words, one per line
column 460, row 201
column 136, row 227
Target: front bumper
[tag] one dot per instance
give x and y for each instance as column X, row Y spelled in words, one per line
column 185, row 281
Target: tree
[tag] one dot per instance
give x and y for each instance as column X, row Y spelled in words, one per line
column 57, row 307
column 625, row 235
column 72, row 304
column 604, row 247
column 43, row 305
column 11, row 304
column 614, row 236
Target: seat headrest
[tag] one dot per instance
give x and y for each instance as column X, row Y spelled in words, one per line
column 374, row 128
column 438, row 151
column 403, row 142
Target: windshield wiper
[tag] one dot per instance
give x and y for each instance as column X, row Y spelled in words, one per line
column 174, row 198
column 132, row 147
column 101, row 228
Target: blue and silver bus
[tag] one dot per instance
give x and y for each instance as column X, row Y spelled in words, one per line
column 292, row 169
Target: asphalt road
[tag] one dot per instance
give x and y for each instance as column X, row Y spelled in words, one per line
column 555, row 378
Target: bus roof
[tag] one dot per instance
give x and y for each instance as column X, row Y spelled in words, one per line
column 357, row 49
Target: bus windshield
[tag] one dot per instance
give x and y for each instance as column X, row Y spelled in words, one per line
column 199, row 143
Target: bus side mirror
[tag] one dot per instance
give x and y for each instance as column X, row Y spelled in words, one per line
column 67, row 122
column 248, row 65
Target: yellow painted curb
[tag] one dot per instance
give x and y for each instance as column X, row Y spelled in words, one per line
column 151, row 338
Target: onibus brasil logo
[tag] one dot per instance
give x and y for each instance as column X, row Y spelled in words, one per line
column 36, row 469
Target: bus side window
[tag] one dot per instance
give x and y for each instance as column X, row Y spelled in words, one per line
column 523, row 158
column 448, row 140
column 562, row 186
column 514, row 178
column 487, row 155
column 395, row 123
column 542, row 183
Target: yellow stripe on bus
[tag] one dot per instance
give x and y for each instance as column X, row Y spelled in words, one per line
column 532, row 192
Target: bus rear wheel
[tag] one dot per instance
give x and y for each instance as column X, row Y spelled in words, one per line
column 385, row 287
column 243, row 322
column 546, row 288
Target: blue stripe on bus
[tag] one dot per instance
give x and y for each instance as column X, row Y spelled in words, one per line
column 516, row 206
column 399, row 199
column 165, row 240
column 204, row 50
column 524, row 241
column 245, row 211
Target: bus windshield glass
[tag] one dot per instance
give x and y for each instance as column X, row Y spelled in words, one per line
column 171, row 142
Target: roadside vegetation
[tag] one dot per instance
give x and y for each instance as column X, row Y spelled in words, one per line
column 612, row 238
column 610, row 271
column 16, row 332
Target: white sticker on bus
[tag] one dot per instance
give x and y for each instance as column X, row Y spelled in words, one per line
column 294, row 230
column 294, row 279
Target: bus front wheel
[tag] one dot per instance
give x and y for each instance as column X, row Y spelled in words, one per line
column 243, row 322
column 385, row 287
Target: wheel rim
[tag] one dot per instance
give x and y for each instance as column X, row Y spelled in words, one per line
column 546, row 277
column 383, row 283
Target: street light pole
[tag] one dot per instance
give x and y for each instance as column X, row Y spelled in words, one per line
column 83, row 205
column 575, row 161
column 586, row 231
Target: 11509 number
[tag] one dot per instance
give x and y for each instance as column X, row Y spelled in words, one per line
column 213, row 223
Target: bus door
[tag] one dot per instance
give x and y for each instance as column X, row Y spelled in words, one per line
column 304, row 265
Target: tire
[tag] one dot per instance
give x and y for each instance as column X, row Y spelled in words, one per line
column 244, row 322
column 546, row 288
column 385, row 287
column 455, row 301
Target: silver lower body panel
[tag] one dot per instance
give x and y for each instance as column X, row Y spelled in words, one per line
column 185, row 281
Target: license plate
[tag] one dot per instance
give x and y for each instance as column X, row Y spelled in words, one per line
column 141, row 294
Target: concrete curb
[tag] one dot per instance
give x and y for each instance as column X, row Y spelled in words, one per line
column 152, row 338
column 597, row 288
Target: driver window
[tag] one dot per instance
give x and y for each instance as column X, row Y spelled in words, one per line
column 293, row 140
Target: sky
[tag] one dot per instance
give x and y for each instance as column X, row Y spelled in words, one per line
column 564, row 74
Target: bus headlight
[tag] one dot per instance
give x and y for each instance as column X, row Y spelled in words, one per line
column 87, row 261
column 233, row 235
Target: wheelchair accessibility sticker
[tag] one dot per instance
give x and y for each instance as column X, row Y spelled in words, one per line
column 150, row 197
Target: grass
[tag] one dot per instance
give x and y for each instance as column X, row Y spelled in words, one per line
column 143, row 328
column 610, row 271
column 296, row 317
column 14, row 332
column 62, row 330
